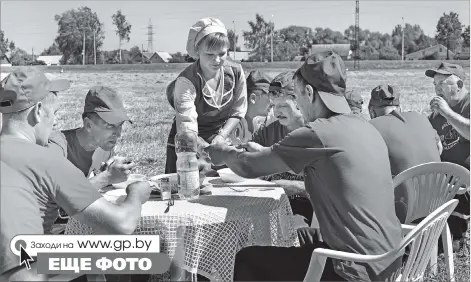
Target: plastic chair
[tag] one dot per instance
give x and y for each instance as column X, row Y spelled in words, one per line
column 430, row 186
column 420, row 238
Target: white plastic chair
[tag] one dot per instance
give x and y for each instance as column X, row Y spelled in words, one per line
column 430, row 186
column 421, row 239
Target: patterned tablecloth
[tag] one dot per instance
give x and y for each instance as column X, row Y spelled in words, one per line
column 203, row 235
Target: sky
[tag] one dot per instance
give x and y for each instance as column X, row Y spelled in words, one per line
column 31, row 25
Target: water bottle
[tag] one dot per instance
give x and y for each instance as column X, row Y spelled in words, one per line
column 186, row 145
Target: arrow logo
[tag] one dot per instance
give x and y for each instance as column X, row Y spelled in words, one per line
column 25, row 258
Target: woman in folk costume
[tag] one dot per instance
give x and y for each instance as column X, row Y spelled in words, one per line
column 210, row 95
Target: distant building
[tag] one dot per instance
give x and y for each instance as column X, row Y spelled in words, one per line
column 343, row 50
column 151, row 57
column 462, row 55
column 4, row 61
column 51, row 60
column 165, row 56
column 436, row 52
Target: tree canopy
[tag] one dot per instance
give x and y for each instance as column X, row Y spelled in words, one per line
column 72, row 25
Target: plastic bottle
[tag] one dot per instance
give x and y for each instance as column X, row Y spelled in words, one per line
column 186, row 145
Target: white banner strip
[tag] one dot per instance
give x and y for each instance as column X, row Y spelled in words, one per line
column 34, row 244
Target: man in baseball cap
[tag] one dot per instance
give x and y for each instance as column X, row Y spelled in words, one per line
column 28, row 101
column 355, row 101
column 91, row 147
column 450, row 118
column 409, row 136
column 326, row 72
column 344, row 160
column 288, row 118
column 23, row 89
column 258, row 108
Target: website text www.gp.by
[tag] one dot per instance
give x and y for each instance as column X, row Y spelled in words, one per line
column 34, row 244
column 116, row 245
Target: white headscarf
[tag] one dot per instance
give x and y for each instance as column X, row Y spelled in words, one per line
column 199, row 30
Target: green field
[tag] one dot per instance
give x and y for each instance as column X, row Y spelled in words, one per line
column 142, row 89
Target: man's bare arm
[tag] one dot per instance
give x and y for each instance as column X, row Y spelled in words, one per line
column 459, row 123
column 100, row 180
column 116, row 170
column 105, row 217
column 439, row 147
column 249, row 164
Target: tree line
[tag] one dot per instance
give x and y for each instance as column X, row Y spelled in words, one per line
column 80, row 37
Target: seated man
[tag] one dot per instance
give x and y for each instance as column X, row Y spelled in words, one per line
column 450, row 118
column 409, row 136
column 355, row 101
column 288, row 118
column 343, row 158
column 258, row 108
column 90, row 147
column 28, row 102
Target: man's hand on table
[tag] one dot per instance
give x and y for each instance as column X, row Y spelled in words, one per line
column 141, row 190
column 117, row 169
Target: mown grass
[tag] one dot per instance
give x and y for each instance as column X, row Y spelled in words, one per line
column 145, row 140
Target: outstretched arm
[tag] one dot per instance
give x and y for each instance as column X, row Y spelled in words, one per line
column 248, row 164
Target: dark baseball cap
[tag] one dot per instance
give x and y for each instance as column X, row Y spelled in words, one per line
column 354, row 100
column 169, row 92
column 326, row 72
column 384, row 95
column 105, row 102
column 24, row 87
column 447, row 68
column 258, row 81
column 282, row 84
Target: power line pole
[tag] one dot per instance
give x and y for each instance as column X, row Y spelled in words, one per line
column 83, row 51
column 150, row 39
column 402, row 53
column 94, row 44
column 32, row 54
column 356, row 62
column 272, row 30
